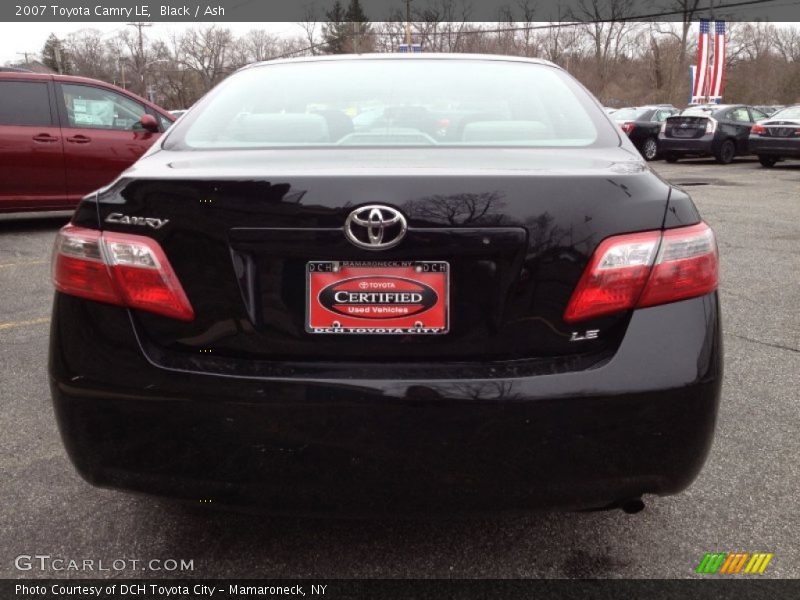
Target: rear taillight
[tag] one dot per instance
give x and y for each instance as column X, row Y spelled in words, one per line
column 78, row 265
column 663, row 127
column 627, row 127
column 686, row 266
column 646, row 269
column 711, row 125
column 122, row 269
column 758, row 129
column 614, row 277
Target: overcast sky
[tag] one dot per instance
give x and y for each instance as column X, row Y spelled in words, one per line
column 30, row 37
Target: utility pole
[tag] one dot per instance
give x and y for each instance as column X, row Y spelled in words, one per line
column 57, row 52
column 25, row 54
column 408, row 24
column 140, row 60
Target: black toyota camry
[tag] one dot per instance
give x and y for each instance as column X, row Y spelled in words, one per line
column 479, row 299
column 778, row 137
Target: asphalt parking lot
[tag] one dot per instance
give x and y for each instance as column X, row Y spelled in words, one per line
column 747, row 498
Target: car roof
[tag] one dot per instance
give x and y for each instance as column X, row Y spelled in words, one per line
column 403, row 56
column 782, row 108
column 25, row 75
column 715, row 106
column 645, row 108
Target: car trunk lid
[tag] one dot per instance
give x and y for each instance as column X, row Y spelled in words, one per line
column 240, row 230
column 685, row 127
column 781, row 128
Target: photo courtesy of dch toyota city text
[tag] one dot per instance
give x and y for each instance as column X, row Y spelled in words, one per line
column 400, row 299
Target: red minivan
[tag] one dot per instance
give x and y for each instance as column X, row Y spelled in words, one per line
column 62, row 137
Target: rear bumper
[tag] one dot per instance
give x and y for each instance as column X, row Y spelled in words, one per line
column 686, row 147
column 775, row 146
column 642, row 422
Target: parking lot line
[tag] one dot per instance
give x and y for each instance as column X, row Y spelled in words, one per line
column 23, row 263
column 13, row 324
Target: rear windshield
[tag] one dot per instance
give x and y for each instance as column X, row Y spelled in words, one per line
column 699, row 111
column 793, row 112
column 629, row 114
column 394, row 102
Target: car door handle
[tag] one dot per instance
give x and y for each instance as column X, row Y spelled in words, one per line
column 45, row 138
column 79, row 139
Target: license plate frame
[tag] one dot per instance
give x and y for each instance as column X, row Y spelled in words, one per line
column 684, row 133
column 377, row 297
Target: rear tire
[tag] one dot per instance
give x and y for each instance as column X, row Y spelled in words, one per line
column 650, row 148
column 671, row 158
column 767, row 161
column 724, row 155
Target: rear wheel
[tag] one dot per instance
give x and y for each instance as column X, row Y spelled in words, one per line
column 727, row 150
column 767, row 161
column 650, row 148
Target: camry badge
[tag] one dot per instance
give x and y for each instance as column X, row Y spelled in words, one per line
column 142, row 221
column 375, row 227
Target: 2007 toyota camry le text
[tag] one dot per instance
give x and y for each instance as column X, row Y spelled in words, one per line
column 389, row 283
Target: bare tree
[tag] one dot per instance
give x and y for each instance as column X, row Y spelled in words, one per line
column 139, row 53
column 391, row 33
column 89, row 55
column 259, row 45
column 787, row 43
column 207, row 51
column 309, row 24
column 606, row 24
column 529, row 45
column 442, row 25
column 560, row 40
column 688, row 10
column 514, row 36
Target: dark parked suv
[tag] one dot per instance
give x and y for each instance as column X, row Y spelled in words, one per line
column 718, row 130
column 277, row 308
column 62, row 137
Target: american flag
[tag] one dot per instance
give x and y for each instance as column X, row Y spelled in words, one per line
column 718, row 72
column 701, row 74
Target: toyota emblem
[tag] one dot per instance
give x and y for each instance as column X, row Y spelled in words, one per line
column 375, row 227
